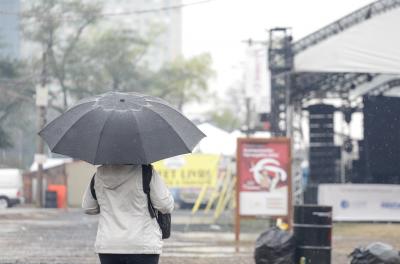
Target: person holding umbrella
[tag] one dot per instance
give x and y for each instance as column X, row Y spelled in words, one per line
column 124, row 133
column 126, row 232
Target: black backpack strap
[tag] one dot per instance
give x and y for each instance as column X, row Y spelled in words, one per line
column 92, row 190
column 147, row 173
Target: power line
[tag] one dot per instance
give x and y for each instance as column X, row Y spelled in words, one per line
column 166, row 8
column 127, row 13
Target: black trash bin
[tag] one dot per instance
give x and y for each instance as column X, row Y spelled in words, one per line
column 50, row 199
column 312, row 227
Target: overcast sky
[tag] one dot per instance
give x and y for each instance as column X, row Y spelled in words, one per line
column 219, row 26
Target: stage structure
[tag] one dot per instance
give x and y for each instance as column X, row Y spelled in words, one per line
column 354, row 57
column 280, row 61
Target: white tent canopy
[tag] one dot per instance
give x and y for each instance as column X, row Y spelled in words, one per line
column 217, row 141
column 368, row 46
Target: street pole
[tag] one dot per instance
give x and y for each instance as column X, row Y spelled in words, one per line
column 41, row 103
column 248, row 116
column 39, row 161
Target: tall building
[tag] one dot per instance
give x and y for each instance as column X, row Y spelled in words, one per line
column 9, row 29
column 145, row 15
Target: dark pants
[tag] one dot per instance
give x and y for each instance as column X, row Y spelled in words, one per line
column 129, row 258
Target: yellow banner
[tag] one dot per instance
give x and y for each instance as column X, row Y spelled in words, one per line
column 191, row 170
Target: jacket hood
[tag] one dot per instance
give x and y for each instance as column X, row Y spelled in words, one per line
column 115, row 175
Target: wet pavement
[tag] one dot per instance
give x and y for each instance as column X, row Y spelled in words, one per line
column 33, row 236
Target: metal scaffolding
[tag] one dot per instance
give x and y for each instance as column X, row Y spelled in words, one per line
column 291, row 90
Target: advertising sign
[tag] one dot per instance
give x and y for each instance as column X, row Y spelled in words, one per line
column 257, row 78
column 191, row 170
column 264, row 176
column 361, row 202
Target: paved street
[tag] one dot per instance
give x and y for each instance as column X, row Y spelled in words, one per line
column 50, row 236
column 32, row 236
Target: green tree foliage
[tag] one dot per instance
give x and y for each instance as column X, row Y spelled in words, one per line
column 184, row 80
column 229, row 112
column 112, row 61
column 57, row 27
column 224, row 118
column 5, row 141
column 16, row 91
column 86, row 55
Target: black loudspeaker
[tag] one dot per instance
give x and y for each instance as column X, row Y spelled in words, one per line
column 382, row 139
column 322, row 153
column 358, row 174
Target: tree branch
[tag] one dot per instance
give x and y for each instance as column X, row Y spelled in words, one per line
column 7, row 110
column 75, row 40
column 57, row 108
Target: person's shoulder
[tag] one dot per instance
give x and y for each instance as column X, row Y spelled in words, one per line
column 99, row 167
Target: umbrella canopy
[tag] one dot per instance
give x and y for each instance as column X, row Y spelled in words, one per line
column 121, row 128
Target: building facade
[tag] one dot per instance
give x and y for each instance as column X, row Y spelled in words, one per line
column 163, row 16
column 9, row 29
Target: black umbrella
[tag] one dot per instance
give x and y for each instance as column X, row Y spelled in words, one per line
column 121, row 128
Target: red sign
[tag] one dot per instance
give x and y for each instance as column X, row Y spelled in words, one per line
column 263, row 166
column 264, row 176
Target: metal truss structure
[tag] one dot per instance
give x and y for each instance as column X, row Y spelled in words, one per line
column 280, row 60
column 346, row 22
column 298, row 88
column 308, row 86
column 385, row 87
column 336, row 85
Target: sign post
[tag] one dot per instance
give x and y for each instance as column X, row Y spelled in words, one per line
column 263, row 185
column 40, row 158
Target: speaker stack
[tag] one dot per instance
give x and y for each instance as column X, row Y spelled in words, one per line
column 323, row 154
column 380, row 157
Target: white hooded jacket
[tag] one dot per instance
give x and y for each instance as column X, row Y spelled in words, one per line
column 125, row 225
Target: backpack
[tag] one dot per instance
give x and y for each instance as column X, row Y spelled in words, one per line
column 163, row 220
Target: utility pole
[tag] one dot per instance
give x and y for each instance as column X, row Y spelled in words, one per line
column 41, row 103
column 248, row 116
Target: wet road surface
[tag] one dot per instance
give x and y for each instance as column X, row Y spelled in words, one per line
column 33, row 236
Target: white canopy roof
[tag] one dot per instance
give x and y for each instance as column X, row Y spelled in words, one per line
column 370, row 44
column 217, row 141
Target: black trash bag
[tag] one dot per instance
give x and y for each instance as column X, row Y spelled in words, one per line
column 275, row 246
column 375, row 253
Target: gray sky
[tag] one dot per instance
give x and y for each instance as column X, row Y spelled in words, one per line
column 219, row 26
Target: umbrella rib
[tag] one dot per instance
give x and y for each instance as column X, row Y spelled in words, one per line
column 55, row 146
column 179, row 136
column 100, row 136
column 55, row 120
column 177, row 113
column 140, row 138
